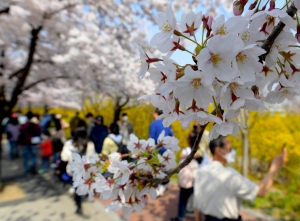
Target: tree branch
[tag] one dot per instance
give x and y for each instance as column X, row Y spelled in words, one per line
column 291, row 11
column 125, row 102
column 21, row 80
column 16, row 73
column 4, row 10
column 42, row 80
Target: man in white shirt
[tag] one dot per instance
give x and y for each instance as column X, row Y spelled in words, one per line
column 219, row 190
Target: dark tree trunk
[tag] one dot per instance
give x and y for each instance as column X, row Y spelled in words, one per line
column 119, row 107
column 7, row 106
column 117, row 112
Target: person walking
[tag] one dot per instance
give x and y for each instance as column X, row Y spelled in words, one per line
column 90, row 124
column 78, row 125
column 186, row 179
column 13, row 133
column 113, row 141
column 220, row 190
column 47, row 151
column 98, row 133
column 126, row 128
column 29, row 138
column 84, row 147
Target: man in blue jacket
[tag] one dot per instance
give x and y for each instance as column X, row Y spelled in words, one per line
column 98, row 133
column 156, row 127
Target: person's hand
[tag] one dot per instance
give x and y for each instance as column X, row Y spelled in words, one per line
column 279, row 160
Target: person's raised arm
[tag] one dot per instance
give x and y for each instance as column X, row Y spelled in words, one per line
column 268, row 180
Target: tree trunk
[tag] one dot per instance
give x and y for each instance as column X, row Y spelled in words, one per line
column 4, row 112
column 119, row 107
column 117, row 112
column 245, row 163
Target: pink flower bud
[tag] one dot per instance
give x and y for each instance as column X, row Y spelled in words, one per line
column 297, row 35
column 210, row 20
column 272, row 5
column 238, row 8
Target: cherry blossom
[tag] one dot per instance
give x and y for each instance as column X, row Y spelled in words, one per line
column 215, row 60
column 167, row 24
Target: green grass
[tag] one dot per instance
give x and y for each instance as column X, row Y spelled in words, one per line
column 278, row 204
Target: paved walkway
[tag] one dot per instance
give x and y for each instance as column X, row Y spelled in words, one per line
column 41, row 198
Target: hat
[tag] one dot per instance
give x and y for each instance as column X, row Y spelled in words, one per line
column 99, row 118
column 14, row 115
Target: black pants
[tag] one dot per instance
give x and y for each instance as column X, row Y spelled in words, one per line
column 184, row 196
column 211, row 218
column 77, row 200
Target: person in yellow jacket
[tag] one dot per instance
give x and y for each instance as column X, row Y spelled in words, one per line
column 112, row 141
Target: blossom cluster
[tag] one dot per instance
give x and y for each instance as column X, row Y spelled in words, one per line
column 228, row 70
column 125, row 182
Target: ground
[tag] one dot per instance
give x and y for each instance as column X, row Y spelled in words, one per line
column 42, row 198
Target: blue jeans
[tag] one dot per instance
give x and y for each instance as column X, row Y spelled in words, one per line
column 45, row 163
column 184, row 196
column 29, row 154
column 13, row 149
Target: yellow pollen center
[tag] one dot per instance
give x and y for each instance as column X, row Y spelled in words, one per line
column 234, row 86
column 278, row 46
column 222, row 30
column 216, row 59
column 166, row 27
column 285, row 92
column 242, row 58
column 196, row 83
column 246, row 36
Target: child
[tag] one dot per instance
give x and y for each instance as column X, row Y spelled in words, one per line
column 47, row 151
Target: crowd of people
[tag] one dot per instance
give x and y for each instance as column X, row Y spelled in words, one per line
column 207, row 186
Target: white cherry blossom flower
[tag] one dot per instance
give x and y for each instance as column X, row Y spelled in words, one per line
column 249, row 36
column 231, row 92
column 115, row 206
column 164, row 75
column 168, row 160
column 280, row 94
column 166, row 22
column 190, row 87
column 121, row 176
column 167, row 142
column 215, row 60
column 78, row 165
column 247, row 62
column 145, row 62
column 227, row 126
column 232, row 26
column 135, row 145
column 280, row 44
column 190, row 22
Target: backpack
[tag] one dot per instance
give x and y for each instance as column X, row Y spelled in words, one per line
column 187, row 175
column 122, row 149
